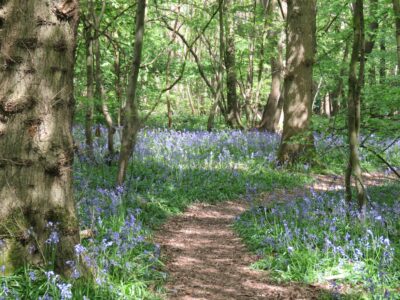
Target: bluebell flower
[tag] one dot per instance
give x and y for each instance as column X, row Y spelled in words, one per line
column 79, row 249
column 65, row 290
column 32, row 276
column 45, row 297
column 53, row 238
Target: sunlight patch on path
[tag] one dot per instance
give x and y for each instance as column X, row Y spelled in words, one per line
column 206, row 260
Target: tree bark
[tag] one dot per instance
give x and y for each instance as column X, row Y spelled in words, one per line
column 170, row 56
column 373, row 27
column 233, row 114
column 382, row 63
column 99, row 95
column 337, row 94
column 89, row 91
column 102, row 106
column 36, row 148
column 221, row 63
column 118, row 80
column 250, row 69
column 273, row 108
column 354, row 107
column 298, row 84
column 131, row 114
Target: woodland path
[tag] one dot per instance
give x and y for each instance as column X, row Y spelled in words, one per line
column 205, row 259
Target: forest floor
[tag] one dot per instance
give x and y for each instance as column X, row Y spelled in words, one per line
column 205, row 259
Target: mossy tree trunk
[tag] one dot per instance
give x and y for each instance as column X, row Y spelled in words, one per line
column 36, row 149
column 356, row 79
column 298, row 84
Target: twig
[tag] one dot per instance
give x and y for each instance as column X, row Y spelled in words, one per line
column 382, row 159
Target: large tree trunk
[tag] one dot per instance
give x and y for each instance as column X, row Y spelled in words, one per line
column 396, row 9
column 131, row 114
column 298, row 85
column 354, row 107
column 36, row 149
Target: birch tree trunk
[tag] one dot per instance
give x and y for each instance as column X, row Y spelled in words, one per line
column 36, row 149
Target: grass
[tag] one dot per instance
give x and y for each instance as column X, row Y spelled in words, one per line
column 170, row 170
column 311, row 240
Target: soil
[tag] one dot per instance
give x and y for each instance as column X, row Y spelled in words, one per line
column 205, row 259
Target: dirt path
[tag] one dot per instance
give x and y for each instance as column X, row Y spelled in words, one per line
column 206, row 260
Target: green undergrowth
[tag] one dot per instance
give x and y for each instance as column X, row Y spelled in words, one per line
column 169, row 171
column 319, row 240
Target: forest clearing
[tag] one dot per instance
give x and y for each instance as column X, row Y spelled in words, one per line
column 189, row 149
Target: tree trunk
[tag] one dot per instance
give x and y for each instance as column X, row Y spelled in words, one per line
column 36, row 149
column 89, row 91
column 131, row 114
column 233, row 115
column 396, row 9
column 118, row 80
column 373, row 27
column 250, row 68
column 168, row 98
column 99, row 95
column 338, row 92
column 189, row 96
column 268, row 8
column 354, row 107
column 326, row 105
column 167, row 71
column 273, row 108
column 298, row 84
column 382, row 63
column 221, row 63
column 99, row 90
column 371, row 39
